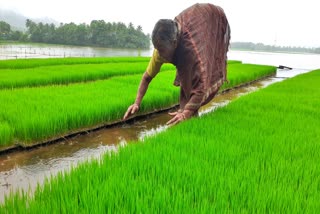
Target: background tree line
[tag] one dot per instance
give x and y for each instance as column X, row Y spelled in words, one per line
column 113, row 35
column 98, row 33
column 271, row 48
column 6, row 33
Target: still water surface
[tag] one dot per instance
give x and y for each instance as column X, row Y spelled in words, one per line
column 13, row 51
column 27, row 51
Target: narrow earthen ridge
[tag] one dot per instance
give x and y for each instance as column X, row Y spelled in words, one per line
column 20, row 146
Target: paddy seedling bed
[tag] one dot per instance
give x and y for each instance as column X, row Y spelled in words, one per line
column 258, row 154
column 67, row 74
column 40, row 72
column 43, row 114
column 33, row 63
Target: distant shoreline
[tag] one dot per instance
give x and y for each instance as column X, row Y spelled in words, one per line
column 231, row 48
column 249, row 46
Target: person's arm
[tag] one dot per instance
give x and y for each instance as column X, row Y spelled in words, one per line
column 146, row 79
column 193, row 104
column 153, row 68
column 179, row 116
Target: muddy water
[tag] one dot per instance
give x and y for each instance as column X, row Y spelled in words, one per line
column 24, row 169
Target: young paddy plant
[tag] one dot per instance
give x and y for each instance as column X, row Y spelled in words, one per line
column 239, row 73
column 33, row 63
column 6, row 133
column 259, row 154
column 39, row 72
column 37, row 113
column 65, row 74
column 44, row 112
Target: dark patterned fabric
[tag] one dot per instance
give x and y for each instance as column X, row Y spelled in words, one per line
column 201, row 54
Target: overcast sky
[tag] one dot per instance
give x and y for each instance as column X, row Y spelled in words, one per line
column 273, row 22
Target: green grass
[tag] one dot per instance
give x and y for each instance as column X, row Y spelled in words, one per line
column 39, row 113
column 259, row 154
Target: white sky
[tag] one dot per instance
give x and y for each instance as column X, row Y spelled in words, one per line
column 273, row 22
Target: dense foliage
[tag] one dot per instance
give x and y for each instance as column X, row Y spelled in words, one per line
column 7, row 33
column 98, row 33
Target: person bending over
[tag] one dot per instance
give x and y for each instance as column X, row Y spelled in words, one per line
column 196, row 42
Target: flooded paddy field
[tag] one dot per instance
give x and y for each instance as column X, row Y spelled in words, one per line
column 23, row 170
column 27, row 51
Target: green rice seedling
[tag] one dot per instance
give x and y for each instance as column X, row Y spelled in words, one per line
column 40, row 72
column 239, row 73
column 233, row 62
column 59, row 109
column 6, row 133
column 65, row 74
column 259, row 154
column 37, row 113
column 33, row 63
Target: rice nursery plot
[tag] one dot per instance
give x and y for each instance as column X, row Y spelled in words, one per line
column 65, row 74
column 259, row 154
column 38, row 72
column 33, row 63
column 240, row 73
column 56, row 110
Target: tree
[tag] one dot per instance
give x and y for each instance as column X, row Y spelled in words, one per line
column 98, row 33
column 97, row 30
column 5, row 30
column 17, row 35
column 33, row 31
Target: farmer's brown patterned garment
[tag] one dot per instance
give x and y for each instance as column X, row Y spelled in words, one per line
column 201, row 55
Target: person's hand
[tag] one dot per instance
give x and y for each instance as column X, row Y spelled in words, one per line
column 131, row 110
column 178, row 116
